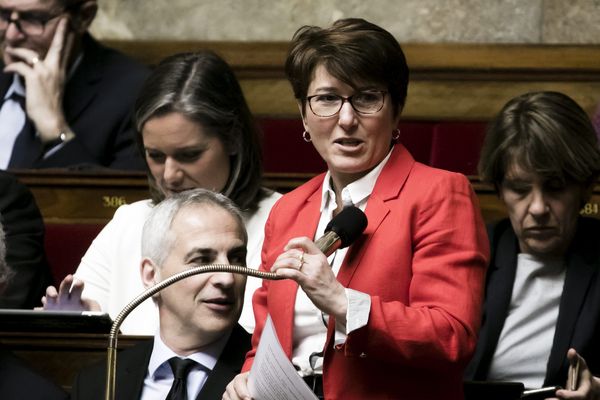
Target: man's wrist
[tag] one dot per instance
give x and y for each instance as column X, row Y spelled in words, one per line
column 65, row 135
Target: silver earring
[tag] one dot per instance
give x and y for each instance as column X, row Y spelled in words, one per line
column 396, row 134
column 306, row 137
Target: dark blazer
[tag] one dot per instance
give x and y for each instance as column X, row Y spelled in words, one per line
column 24, row 229
column 98, row 103
column 578, row 323
column 132, row 366
column 18, row 381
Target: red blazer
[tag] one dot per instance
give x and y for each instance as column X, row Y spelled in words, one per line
column 422, row 260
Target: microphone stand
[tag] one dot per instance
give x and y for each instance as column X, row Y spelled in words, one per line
column 151, row 291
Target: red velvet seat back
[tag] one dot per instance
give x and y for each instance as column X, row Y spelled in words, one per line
column 455, row 146
column 65, row 244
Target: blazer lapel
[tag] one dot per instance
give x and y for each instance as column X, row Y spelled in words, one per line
column 388, row 186
column 130, row 373
column 80, row 89
column 5, row 82
column 284, row 291
column 577, row 281
column 501, row 276
column 228, row 366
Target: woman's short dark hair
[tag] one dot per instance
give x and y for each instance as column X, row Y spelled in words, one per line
column 544, row 132
column 352, row 50
column 202, row 87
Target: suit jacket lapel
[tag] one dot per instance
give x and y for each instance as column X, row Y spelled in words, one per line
column 5, row 82
column 580, row 270
column 80, row 91
column 228, row 366
column 388, row 186
column 501, row 276
column 286, row 290
column 131, row 371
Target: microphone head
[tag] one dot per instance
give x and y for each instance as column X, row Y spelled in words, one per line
column 349, row 224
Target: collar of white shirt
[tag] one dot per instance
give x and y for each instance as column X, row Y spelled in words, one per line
column 161, row 353
column 355, row 193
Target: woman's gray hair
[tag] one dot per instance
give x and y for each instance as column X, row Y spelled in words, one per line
column 544, row 132
column 157, row 237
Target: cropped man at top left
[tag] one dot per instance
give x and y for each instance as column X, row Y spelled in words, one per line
column 66, row 99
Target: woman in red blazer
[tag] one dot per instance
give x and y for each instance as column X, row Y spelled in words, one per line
column 396, row 314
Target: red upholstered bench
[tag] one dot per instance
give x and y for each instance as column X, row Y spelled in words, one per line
column 416, row 136
column 65, row 244
column 284, row 150
column 453, row 146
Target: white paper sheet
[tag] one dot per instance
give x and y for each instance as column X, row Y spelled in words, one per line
column 272, row 376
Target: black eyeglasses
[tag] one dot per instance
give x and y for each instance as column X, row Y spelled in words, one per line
column 32, row 23
column 328, row 104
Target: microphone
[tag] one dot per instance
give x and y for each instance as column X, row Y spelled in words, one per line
column 342, row 230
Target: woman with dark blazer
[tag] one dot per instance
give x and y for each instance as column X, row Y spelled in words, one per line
column 542, row 308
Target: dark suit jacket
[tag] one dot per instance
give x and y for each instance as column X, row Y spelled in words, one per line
column 98, row 103
column 132, row 366
column 578, row 323
column 18, row 381
column 24, row 229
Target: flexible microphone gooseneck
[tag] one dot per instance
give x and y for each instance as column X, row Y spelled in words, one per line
column 341, row 231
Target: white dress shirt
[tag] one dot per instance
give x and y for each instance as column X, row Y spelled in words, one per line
column 310, row 324
column 12, row 120
column 159, row 377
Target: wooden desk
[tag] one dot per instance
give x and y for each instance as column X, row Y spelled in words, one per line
column 92, row 197
column 60, row 356
column 84, row 197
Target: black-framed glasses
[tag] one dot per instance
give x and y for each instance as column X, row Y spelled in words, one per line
column 32, row 23
column 328, row 104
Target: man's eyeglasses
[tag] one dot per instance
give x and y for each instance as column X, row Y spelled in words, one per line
column 30, row 23
column 327, row 105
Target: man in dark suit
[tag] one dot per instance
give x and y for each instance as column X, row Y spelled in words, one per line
column 198, row 315
column 24, row 229
column 66, row 100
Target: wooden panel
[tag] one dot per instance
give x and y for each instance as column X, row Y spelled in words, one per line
column 431, row 100
column 263, row 56
column 92, row 198
column 448, row 81
column 83, row 197
column 60, row 356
